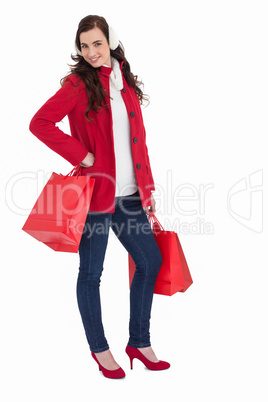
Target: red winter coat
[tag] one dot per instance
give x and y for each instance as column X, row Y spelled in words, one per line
column 95, row 137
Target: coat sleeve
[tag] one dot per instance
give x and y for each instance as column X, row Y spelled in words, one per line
column 43, row 124
column 152, row 186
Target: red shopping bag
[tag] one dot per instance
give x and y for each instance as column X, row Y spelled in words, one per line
column 59, row 214
column 174, row 275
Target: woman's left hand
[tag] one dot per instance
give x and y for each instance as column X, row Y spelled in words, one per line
column 151, row 209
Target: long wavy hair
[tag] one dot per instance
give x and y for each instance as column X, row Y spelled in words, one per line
column 89, row 75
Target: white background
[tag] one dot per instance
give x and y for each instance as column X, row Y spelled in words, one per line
column 204, row 65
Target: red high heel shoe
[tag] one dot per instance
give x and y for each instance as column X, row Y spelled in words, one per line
column 119, row 373
column 134, row 353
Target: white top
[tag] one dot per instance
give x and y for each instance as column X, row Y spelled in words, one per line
column 126, row 182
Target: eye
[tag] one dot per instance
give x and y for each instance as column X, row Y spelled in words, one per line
column 97, row 44
column 83, row 46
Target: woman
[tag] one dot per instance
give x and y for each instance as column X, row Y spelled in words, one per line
column 102, row 100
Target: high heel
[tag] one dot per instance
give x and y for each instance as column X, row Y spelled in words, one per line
column 134, row 353
column 119, row 373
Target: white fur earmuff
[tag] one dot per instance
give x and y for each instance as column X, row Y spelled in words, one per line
column 77, row 50
column 113, row 39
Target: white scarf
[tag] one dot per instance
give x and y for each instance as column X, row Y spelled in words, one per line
column 116, row 79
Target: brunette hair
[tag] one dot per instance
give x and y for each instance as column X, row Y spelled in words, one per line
column 89, row 75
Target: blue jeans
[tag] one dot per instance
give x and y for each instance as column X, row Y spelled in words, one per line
column 131, row 226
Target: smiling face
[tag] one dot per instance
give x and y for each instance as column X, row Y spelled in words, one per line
column 95, row 48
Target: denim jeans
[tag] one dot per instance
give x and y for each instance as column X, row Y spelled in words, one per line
column 131, row 226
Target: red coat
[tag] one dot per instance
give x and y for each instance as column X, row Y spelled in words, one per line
column 95, row 137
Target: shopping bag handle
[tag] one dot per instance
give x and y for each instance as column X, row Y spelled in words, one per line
column 155, row 224
column 76, row 171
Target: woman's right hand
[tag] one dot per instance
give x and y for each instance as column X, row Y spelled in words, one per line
column 88, row 161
